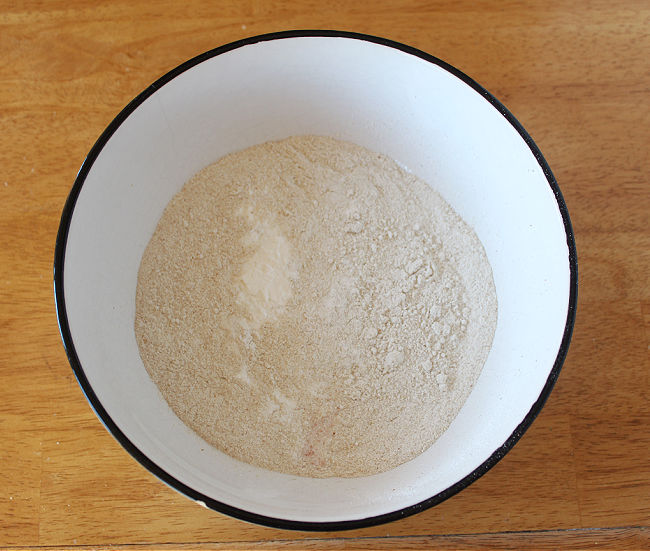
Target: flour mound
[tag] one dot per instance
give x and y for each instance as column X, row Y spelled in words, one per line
column 310, row 307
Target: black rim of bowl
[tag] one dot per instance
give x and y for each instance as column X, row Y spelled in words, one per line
column 68, row 343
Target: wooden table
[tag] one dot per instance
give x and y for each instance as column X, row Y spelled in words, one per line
column 576, row 74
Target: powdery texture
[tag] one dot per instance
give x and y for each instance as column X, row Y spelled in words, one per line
column 309, row 307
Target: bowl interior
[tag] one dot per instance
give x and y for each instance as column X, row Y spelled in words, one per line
column 389, row 101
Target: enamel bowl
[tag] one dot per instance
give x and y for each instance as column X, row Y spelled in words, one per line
column 382, row 95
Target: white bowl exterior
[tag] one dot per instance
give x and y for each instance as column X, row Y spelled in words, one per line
column 379, row 97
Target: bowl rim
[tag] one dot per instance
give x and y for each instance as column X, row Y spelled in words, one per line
column 66, row 336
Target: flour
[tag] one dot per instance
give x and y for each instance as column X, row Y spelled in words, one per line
column 309, row 307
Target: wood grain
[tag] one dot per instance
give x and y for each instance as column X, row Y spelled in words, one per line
column 575, row 74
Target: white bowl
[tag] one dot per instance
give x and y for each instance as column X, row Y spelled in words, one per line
column 382, row 95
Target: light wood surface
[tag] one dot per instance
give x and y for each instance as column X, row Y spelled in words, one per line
column 576, row 74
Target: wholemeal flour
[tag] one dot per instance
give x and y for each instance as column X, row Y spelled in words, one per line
column 310, row 307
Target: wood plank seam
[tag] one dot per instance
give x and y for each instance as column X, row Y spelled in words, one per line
column 642, row 529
